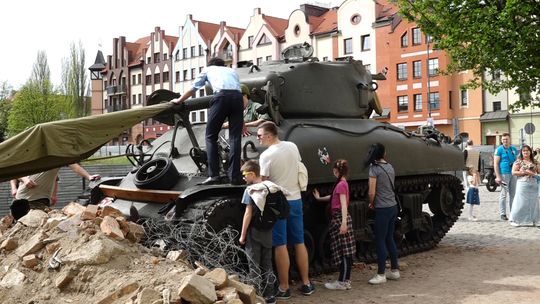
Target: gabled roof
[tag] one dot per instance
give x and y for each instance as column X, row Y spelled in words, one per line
column 236, row 31
column 136, row 49
column 171, row 40
column 326, row 22
column 276, row 25
column 99, row 63
column 383, row 9
column 207, row 30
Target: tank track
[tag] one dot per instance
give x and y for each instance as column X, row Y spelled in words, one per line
column 441, row 187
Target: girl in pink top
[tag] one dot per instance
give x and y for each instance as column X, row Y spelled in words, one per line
column 342, row 243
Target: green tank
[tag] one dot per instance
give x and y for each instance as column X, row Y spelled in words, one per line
column 324, row 108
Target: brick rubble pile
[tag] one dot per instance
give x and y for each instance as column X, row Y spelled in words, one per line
column 93, row 255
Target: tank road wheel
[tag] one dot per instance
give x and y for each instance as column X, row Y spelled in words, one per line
column 225, row 213
column 159, row 173
column 309, row 241
column 323, row 249
column 424, row 234
column 441, row 201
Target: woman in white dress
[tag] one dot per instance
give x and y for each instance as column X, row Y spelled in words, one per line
column 525, row 207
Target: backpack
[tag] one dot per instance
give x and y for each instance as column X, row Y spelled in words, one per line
column 276, row 208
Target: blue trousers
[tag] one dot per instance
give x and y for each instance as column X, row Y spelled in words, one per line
column 385, row 219
column 225, row 104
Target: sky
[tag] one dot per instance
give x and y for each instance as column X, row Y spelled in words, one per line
column 28, row 26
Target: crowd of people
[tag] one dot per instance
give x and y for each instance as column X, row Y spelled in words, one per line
column 280, row 168
column 517, row 172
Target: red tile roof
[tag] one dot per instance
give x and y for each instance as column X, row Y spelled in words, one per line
column 277, row 25
column 328, row 23
column 207, row 30
column 384, row 9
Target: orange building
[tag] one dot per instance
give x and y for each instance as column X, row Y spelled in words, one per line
column 415, row 94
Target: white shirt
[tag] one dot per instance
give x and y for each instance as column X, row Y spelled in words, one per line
column 279, row 163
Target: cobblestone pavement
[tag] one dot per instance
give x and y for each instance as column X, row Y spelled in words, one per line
column 487, row 261
column 489, row 230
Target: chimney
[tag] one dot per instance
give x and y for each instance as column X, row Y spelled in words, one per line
column 257, row 11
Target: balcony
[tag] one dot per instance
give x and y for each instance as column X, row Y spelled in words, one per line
column 116, row 89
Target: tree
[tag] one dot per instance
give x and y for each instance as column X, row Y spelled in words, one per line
column 5, row 105
column 485, row 36
column 75, row 81
column 41, row 74
column 30, row 107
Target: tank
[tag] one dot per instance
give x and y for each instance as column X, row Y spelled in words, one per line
column 324, row 108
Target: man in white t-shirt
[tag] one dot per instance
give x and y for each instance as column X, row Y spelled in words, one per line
column 279, row 164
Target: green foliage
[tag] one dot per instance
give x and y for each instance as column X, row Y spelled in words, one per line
column 75, row 81
column 41, row 74
column 485, row 36
column 30, row 107
column 5, row 106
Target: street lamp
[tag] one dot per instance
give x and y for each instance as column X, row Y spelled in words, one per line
column 429, row 120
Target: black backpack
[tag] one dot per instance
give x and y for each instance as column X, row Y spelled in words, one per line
column 276, row 208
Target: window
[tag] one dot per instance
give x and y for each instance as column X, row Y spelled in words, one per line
column 417, row 102
column 148, row 60
column 401, row 71
column 433, row 66
column 139, row 101
column 268, row 58
column 200, row 69
column 184, row 53
column 416, row 36
column 355, row 19
column 297, row 30
column 193, row 116
column 434, row 100
column 156, row 58
column 250, row 41
column 450, row 99
column 193, row 73
column 148, row 79
column 177, row 76
column 193, row 51
column 367, row 67
column 184, row 75
column 133, row 79
column 201, row 116
column 404, row 40
column 157, row 78
column 464, row 100
column 165, row 76
column 201, row 92
column 264, row 40
column 259, row 61
column 139, row 78
column 496, row 75
column 201, row 50
column 325, row 58
column 417, row 69
column 347, row 46
column 496, row 106
column 165, row 57
column 177, row 56
column 366, row 43
column 134, row 99
column 403, row 103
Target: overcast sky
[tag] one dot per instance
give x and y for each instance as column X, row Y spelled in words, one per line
column 27, row 26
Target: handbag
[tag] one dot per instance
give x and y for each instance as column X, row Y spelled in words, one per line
column 398, row 201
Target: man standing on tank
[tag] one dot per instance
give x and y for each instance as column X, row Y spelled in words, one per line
column 504, row 158
column 226, row 103
column 280, row 164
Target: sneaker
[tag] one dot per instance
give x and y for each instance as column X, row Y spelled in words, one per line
column 515, row 224
column 393, row 275
column 348, row 285
column 378, row 279
column 307, row 289
column 283, row 295
column 504, row 218
column 473, row 219
column 336, row 285
column 270, row 300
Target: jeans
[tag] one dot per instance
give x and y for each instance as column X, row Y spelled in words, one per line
column 385, row 219
column 224, row 105
column 260, row 268
column 510, row 181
